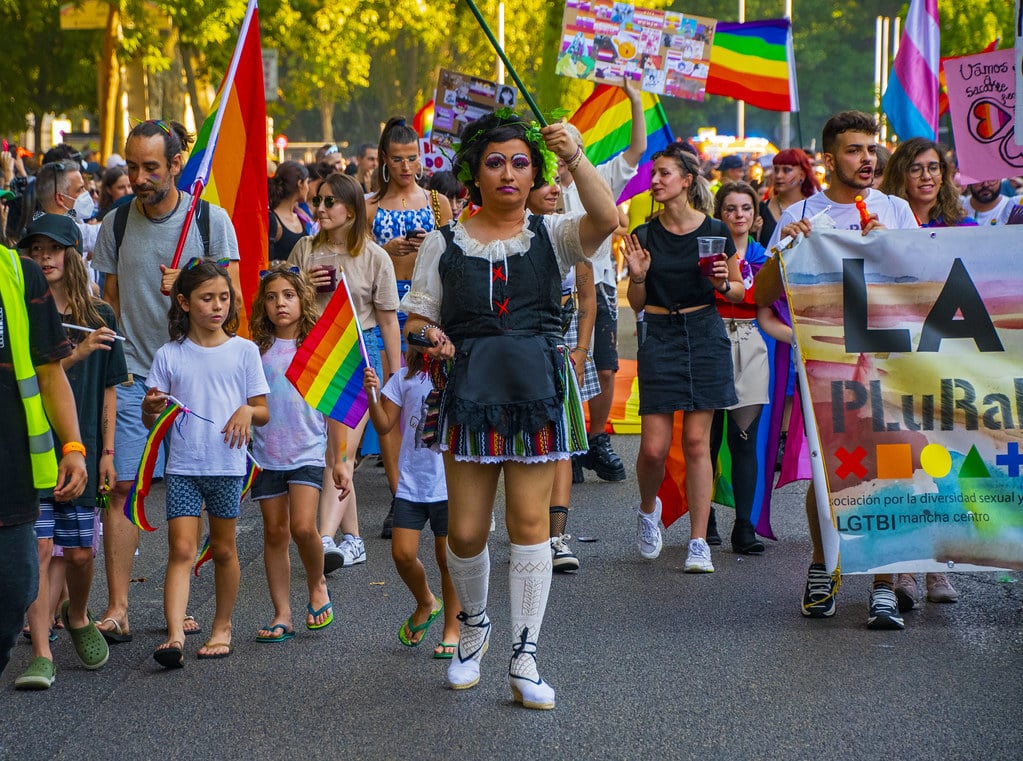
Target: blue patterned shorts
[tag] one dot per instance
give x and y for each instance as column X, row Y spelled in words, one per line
column 186, row 494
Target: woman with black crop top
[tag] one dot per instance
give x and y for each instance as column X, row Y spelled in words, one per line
column 685, row 362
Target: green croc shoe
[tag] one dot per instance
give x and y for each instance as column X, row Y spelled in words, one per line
column 90, row 644
column 40, row 675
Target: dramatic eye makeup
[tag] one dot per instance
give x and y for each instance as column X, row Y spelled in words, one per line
column 498, row 160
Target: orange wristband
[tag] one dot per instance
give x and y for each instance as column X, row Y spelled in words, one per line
column 73, row 446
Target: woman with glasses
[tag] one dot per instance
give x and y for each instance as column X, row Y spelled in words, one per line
column 343, row 246
column 919, row 172
column 401, row 213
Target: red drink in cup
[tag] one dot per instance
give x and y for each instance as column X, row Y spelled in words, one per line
column 325, row 263
column 712, row 250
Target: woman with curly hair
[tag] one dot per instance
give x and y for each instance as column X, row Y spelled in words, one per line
column 291, row 451
column 919, row 172
column 486, row 298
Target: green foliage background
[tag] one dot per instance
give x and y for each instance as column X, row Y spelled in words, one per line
column 348, row 65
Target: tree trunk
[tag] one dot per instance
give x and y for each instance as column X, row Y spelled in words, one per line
column 326, row 117
column 109, row 84
column 193, row 90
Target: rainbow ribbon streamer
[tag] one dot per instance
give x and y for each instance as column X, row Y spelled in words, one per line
column 134, row 505
column 250, row 475
column 205, row 555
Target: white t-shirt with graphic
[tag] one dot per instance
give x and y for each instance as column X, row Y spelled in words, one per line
column 421, row 470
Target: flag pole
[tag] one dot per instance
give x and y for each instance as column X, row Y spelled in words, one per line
column 358, row 329
column 507, row 63
column 203, row 172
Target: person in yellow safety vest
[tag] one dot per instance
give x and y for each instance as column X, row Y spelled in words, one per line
column 33, row 388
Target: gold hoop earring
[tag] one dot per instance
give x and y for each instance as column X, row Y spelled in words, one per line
column 384, row 174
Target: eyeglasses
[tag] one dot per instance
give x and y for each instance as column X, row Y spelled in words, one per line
column 327, row 201
column 403, row 160
column 916, row 170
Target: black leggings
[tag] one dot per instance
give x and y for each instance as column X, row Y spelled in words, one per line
column 742, row 443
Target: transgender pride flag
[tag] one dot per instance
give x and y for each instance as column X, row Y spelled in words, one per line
column 911, row 100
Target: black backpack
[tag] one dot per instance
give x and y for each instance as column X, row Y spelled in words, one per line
column 202, row 221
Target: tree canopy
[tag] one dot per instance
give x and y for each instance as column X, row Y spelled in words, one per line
column 346, row 67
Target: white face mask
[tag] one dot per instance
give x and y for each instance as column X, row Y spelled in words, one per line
column 84, row 206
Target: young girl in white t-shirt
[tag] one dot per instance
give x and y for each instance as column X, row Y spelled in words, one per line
column 218, row 378
column 421, row 496
column 291, row 451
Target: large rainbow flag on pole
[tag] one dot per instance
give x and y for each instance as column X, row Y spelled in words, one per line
column 911, row 100
column 328, row 367
column 755, row 62
column 228, row 161
column 605, row 121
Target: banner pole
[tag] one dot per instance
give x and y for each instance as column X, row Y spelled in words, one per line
column 507, row 63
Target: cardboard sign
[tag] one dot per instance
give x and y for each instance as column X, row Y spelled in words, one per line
column 460, row 99
column 664, row 52
column 982, row 103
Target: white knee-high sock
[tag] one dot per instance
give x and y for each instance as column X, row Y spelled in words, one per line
column 471, row 580
column 529, row 584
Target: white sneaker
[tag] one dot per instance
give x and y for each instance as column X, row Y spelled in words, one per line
column 562, row 558
column 648, row 531
column 698, row 560
column 353, row 550
column 332, row 556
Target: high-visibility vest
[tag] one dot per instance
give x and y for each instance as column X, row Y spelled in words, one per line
column 40, row 439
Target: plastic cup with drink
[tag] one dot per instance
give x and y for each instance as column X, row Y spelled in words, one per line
column 712, row 250
column 325, row 263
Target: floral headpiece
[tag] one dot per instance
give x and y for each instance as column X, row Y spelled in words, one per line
column 532, row 136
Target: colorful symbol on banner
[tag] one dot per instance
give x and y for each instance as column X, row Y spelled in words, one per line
column 936, row 461
column 1012, row 459
column 988, row 121
column 626, row 47
column 894, row 460
column 973, row 465
column 851, row 462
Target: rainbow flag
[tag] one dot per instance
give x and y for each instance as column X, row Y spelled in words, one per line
column 229, row 155
column 755, row 62
column 605, row 121
column 422, row 122
column 328, row 367
column 134, row 505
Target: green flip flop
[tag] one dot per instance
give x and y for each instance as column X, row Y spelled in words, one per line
column 90, row 644
column 315, row 613
column 406, row 639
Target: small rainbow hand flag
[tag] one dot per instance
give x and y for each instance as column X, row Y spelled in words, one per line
column 134, row 507
column 328, row 367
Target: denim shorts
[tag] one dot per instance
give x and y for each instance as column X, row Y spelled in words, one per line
column 413, row 515
column 186, row 494
column 130, row 433
column 274, row 483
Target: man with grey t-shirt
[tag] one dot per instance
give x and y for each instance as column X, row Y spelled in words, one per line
column 138, row 277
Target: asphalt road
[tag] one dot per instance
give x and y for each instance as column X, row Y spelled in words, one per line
column 647, row 662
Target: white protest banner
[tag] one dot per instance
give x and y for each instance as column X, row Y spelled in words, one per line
column 913, row 348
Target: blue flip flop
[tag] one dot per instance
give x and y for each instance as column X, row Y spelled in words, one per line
column 315, row 613
column 285, row 634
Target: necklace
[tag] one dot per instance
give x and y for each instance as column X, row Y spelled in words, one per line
column 404, row 202
column 165, row 217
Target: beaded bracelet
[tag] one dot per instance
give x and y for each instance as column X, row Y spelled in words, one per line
column 577, row 158
column 428, row 326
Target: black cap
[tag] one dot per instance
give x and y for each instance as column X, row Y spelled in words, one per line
column 56, row 227
column 730, row 162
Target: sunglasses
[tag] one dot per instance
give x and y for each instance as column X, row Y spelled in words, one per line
column 195, row 261
column 327, row 201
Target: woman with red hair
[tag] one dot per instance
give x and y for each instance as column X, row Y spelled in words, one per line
column 794, row 180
